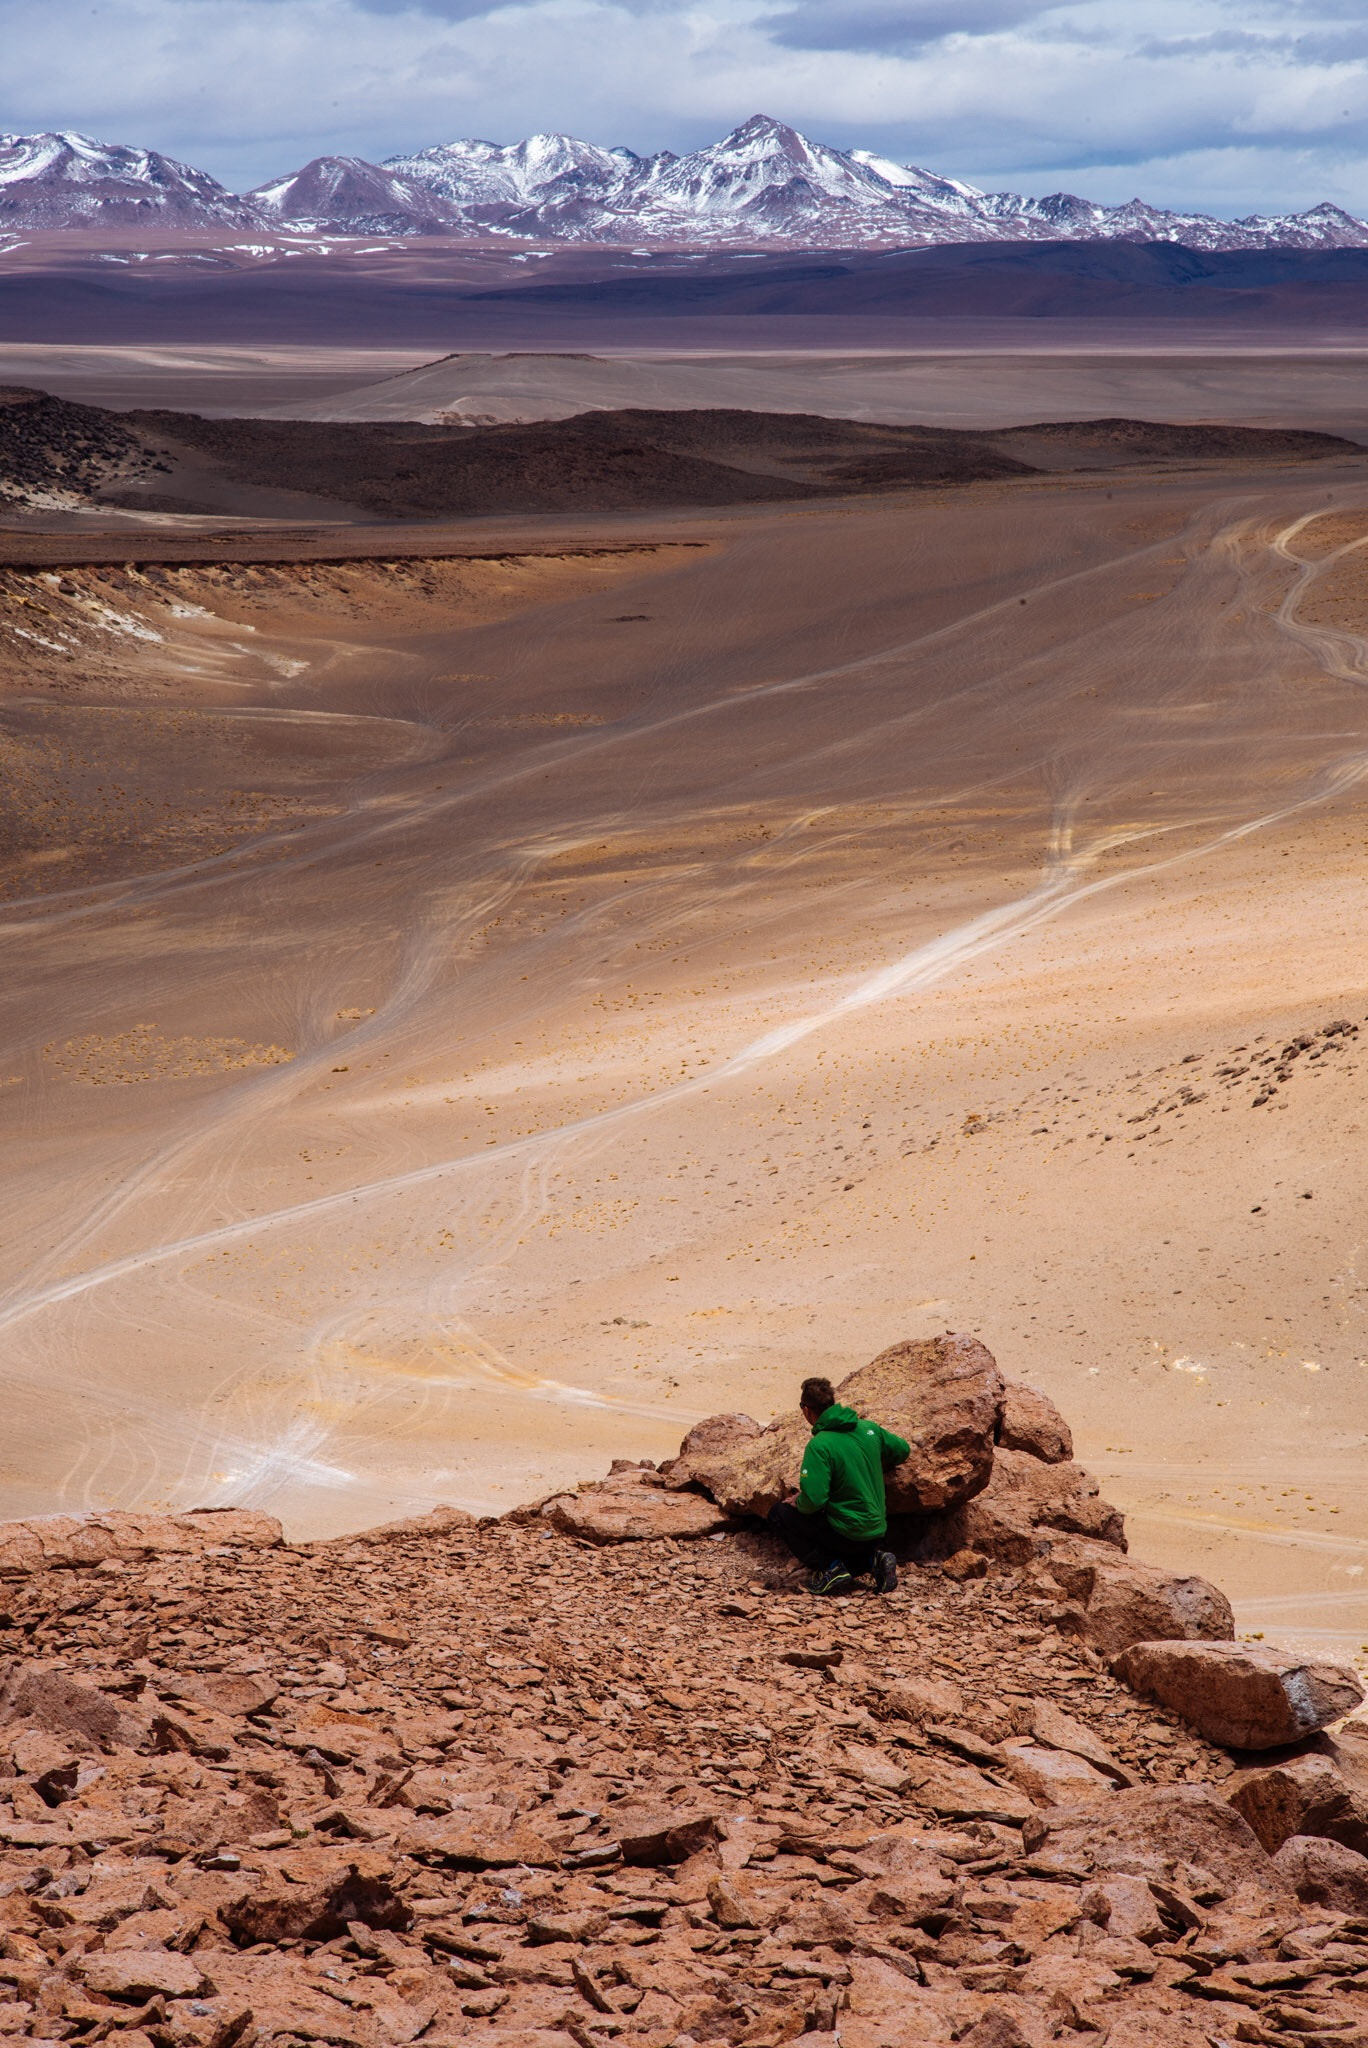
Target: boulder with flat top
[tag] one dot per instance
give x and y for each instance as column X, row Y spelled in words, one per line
column 1244, row 1695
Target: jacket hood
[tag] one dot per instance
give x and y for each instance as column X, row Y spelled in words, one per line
column 837, row 1417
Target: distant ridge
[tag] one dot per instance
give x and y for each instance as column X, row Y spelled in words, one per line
column 764, row 185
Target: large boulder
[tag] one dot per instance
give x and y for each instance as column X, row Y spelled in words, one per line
column 1124, row 1602
column 1024, row 1508
column 1302, row 1795
column 82, row 1540
column 1325, row 1875
column 1245, row 1695
column 944, row 1394
column 1031, row 1423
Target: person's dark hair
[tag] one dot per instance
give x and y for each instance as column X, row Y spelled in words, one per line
column 818, row 1395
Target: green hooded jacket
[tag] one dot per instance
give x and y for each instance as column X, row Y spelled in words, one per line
column 843, row 1473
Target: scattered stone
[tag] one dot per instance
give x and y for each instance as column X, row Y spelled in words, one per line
column 1245, row 1695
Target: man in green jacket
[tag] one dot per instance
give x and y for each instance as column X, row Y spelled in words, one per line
column 836, row 1521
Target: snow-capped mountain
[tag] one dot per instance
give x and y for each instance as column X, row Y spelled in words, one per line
column 67, row 180
column 367, row 199
column 764, row 185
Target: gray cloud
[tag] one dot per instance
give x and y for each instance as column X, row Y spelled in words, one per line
column 1228, row 105
column 892, row 25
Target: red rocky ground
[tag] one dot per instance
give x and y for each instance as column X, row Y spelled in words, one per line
column 496, row 1783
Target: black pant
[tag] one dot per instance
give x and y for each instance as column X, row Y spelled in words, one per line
column 815, row 1543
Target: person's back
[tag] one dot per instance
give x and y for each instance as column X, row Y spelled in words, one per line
column 843, row 1473
column 838, row 1517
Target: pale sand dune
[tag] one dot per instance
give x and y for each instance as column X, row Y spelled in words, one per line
column 700, row 974
column 1325, row 391
column 991, row 386
column 231, row 379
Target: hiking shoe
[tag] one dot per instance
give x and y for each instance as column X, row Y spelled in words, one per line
column 832, row 1578
column 885, row 1572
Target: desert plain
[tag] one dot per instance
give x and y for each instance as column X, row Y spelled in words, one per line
column 484, row 993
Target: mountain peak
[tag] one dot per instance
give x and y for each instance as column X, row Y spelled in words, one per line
column 764, row 184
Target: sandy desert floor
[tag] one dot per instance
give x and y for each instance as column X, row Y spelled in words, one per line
column 466, row 1019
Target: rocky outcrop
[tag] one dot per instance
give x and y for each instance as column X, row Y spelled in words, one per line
column 75, row 1541
column 1245, row 1695
column 1303, row 1795
column 943, row 1395
column 1031, row 1423
column 1326, row 1876
column 1024, row 1508
column 1118, row 1601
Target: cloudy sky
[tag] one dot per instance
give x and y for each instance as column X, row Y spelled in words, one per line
column 1230, row 105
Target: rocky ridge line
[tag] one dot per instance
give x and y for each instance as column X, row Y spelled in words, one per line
column 601, row 1772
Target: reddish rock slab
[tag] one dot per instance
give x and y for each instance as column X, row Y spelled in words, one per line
column 225, row 1693
column 1054, row 1777
column 471, row 1847
column 1032, row 1423
column 633, row 1514
column 1149, row 1830
column 653, row 1835
column 958, row 1792
column 140, row 1974
column 438, row 1521
column 68, row 1540
column 1058, row 1730
column 52, row 1700
column 1244, row 1695
column 919, row 1700
column 944, row 1395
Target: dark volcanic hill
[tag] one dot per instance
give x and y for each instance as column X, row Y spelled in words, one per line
column 51, row 451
